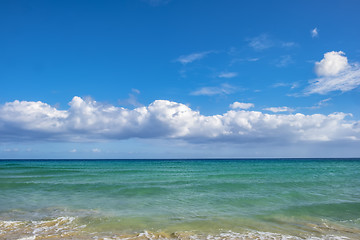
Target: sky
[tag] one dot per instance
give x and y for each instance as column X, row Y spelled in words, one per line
column 179, row 79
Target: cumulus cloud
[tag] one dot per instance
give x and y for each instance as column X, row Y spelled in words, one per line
column 88, row 120
column 210, row 91
column 185, row 59
column 332, row 64
column 334, row 73
column 279, row 109
column 227, row 75
column 314, row 33
column 240, row 105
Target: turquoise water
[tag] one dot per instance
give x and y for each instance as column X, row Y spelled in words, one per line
column 184, row 199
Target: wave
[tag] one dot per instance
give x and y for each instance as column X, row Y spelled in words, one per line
column 70, row 228
column 58, row 228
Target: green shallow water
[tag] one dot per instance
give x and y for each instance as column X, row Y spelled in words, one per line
column 301, row 198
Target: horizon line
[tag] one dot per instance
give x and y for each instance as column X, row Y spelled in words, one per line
column 222, row 158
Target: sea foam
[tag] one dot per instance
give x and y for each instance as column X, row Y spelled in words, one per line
column 67, row 228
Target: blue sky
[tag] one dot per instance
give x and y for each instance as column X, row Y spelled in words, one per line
column 158, row 79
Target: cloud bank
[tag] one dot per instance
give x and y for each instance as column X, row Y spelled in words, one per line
column 88, row 120
column 334, row 73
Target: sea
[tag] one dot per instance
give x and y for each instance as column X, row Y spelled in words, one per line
column 180, row 199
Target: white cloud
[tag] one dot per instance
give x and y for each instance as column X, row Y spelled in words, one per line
column 334, row 74
column 240, row 105
column 88, row 120
column 227, row 75
column 73, row 150
column 332, row 64
column 314, row 33
column 279, row 109
column 185, row 59
column 210, row 91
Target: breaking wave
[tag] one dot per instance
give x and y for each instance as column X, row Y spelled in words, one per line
column 70, row 228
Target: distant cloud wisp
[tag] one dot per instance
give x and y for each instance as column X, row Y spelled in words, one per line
column 292, row 85
column 240, row 105
column 264, row 41
column 210, row 91
column 227, row 75
column 132, row 99
column 288, row 44
column 314, row 33
column 95, row 150
column 260, row 43
column 185, row 59
column 284, row 61
column 320, row 104
column 279, row 109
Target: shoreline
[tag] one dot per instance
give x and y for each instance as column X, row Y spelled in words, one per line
column 76, row 228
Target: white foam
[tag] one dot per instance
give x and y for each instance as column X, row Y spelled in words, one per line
column 230, row 235
column 55, row 227
column 4, row 224
column 28, row 238
column 30, row 230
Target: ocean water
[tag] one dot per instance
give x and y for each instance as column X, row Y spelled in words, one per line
column 180, row 199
